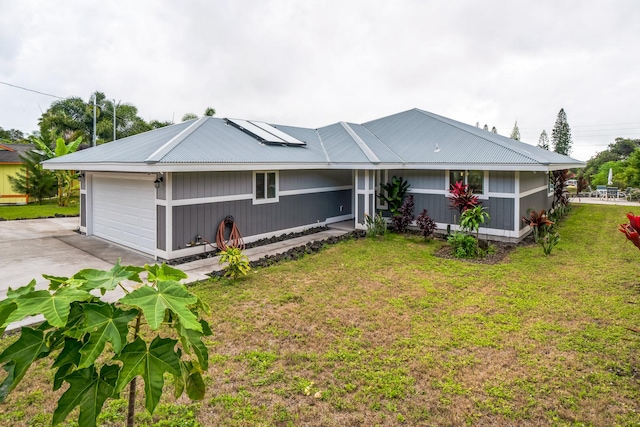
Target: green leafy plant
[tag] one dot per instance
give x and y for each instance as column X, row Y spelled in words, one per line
column 237, row 262
column 98, row 348
column 376, row 225
column 539, row 223
column 401, row 221
column 472, row 218
column 65, row 179
column 463, row 245
column 426, row 224
column 462, row 197
column 559, row 188
column 393, row 194
column 549, row 241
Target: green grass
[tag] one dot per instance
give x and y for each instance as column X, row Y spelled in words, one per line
column 48, row 209
column 383, row 332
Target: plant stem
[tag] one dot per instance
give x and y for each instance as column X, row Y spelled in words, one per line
column 131, row 410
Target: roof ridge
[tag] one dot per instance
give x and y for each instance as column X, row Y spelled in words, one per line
column 368, row 152
column 447, row 121
column 324, row 149
column 157, row 155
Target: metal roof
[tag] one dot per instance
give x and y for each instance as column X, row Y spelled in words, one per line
column 414, row 138
column 10, row 153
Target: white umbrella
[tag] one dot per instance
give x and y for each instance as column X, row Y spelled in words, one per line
column 610, row 179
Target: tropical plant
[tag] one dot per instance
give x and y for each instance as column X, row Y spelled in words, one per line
column 237, row 262
column 463, row 245
column 559, row 188
column 65, row 179
column 472, row 218
column 376, row 225
column 426, row 224
column 539, row 223
column 632, row 229
column 99, row 348
column 34, row 181
column 549, row 241
column 401, row 221
column 393, row 194
column 462, row 197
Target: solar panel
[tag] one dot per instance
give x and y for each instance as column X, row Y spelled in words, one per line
column 256, row 131
column 278, row 133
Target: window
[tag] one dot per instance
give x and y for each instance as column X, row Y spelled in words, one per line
column 475, row 179
column 265, row 187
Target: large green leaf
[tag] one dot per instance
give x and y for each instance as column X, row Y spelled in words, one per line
column 55, row 307
column 104, row 324
column 169, row 295
column 89, row 390
column 106, row 280
column 19, row 356
column 15, row 293
column 192, row 342
column 68, row 358
column 164, row 272
column 150, row 364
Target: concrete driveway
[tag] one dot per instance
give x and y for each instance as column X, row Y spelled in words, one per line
column 30, row 248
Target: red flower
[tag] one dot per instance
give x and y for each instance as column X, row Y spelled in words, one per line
column 632, row 229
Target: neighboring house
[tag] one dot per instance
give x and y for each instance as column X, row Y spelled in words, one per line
column 157, row 191
column 10, row 164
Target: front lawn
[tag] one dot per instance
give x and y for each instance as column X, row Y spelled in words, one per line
column 48, row 209
column 382, row 332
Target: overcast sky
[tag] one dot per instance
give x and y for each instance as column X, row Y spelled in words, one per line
column 313, row 63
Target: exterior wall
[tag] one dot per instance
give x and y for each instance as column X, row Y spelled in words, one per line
column 501, row 182
column 422, row 179
column 7, row 195
column 196, row 203
column 532, row 180
column 535, row 201
column 83, row 210
column 161, row 232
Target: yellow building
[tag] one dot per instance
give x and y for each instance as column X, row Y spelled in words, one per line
column 10, row 164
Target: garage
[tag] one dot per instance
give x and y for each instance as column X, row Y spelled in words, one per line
column 124, row 210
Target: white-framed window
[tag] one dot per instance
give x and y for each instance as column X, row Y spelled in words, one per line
column 265, row 187
column 551, row 186
column 382, row 177
column 475, row 179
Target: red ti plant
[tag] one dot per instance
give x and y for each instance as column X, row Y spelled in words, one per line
column 462, row 197
column 537, row 221
column 632, row 229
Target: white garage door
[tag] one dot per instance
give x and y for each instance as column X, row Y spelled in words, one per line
column 124, row 211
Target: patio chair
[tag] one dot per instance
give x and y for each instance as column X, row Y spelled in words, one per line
column 601, row 190
column 612, row 192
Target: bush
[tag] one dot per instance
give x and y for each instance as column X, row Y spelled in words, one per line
column 401, row 221
column 462, row 197
column 463, row 245
column 393, row 194
column 426, row 224
column 376, row 225
column 238, row 263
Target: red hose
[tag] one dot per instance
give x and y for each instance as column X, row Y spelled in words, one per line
column 235, row 238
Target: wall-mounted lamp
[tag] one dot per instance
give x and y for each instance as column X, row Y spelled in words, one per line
column 158, row 181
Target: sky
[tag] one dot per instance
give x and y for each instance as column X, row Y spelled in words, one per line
column 312, row 63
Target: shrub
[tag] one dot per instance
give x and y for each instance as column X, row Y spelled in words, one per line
column 238, row 263
column 559, row 188
column 539, row 223
column 472, row 218
column 393, row 194
column 376, row 225
column 462, row 197
column 426, row 224
column 463, row 245
column 549, row 241
column 401, row 221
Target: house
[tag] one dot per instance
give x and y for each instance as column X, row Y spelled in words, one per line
column 10, row 164
column 158, row 191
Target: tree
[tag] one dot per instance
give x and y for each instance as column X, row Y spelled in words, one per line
column 622, row 149
column 543, row 141
column 65, row 178
column 100, row 348
column 561, row 134
column 72, row 118
column 515, row 133
column 189, row 116
column 12, row 136
column 157, row 124
column 34, row 181
column 209, row 111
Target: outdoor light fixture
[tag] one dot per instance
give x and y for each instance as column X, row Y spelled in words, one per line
column 157, row 182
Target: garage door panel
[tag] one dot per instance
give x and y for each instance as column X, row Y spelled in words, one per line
column 124, row 212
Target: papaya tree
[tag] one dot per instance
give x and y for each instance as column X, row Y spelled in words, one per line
column 101, row 348
column 65, row 179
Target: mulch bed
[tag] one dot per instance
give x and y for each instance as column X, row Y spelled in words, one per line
column 500, row 251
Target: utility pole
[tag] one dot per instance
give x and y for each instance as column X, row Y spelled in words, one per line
column 94, row 120
column 114, row 119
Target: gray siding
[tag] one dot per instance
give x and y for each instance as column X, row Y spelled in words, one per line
column 536, row 201
column 422, row 179
column 161, row 235
column 502, row 182
column 361, row 207
column 192, row 185
column 303, row 179
column 531, row 180
column 161, row 192
column 500, row 210
column 83, row 210
column 289, row 212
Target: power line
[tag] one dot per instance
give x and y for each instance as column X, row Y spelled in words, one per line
column 32, row 90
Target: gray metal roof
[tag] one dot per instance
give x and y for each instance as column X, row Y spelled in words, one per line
column 413, row 138
column 10, row 153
